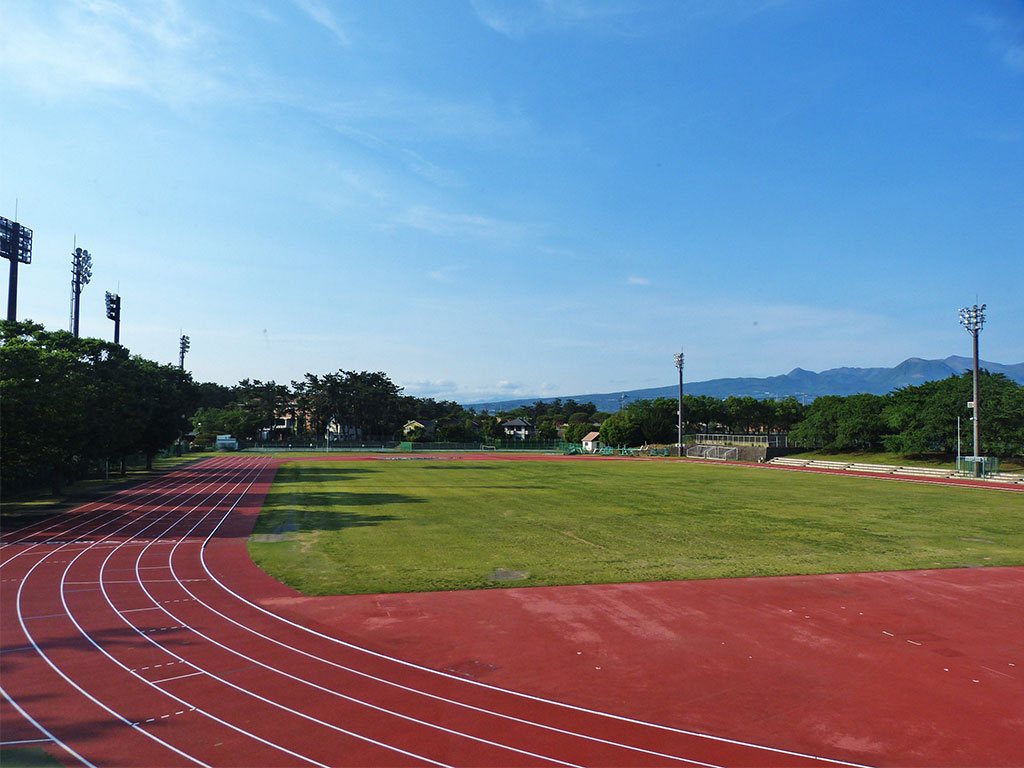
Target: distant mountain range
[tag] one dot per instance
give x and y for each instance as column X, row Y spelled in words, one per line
column 800, row 383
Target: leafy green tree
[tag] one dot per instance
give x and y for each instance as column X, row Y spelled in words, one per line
column 820, row 425
column 547, row 430
column 923, row 418
column 619, row 429
column 264, row 400
column 574, row 433
column 656, row 419
column 788, row 412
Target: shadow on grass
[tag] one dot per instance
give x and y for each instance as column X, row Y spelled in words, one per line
column 328, row 511
column 463, row 467
column 317, row 473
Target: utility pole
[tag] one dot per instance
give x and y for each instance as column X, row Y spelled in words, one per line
column 679, row 358
column 973, row 319
column 81, row 275
column 16, row 246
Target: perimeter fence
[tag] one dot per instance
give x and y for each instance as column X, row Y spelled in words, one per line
column 403, row 446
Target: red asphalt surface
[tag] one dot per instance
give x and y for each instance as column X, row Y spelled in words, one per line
column 137, row 631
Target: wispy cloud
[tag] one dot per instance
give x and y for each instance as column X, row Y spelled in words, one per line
column 518, row 19
column 402, row 115
column 157, row 47
column 429, row 219
column 1006, row 37
column 429, row 171
column 637, row 280
column 323, row 16
column 445, row 274
column 612, row 17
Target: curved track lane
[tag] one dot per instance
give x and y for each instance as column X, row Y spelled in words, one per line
column 133, row 635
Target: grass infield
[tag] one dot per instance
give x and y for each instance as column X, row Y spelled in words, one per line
column 405, row 526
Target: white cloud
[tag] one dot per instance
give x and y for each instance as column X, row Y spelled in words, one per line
column 428, row 219
column 636, row 280
column 517, row 19
column 429, row 171
column 439, row 389
column 417, row 116
column 445, row 274
column 1006, row 38
column 156, row 47
column 322, row 15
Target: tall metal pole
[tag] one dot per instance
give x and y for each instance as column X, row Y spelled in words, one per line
column 679, row 359
column 114, row 313
column 12, row 285
column 973, row 320
column 81, row 275
column 977, row 405
column 183, row 346
column 15, row 245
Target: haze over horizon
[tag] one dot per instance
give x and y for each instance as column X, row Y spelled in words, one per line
column 490, row 201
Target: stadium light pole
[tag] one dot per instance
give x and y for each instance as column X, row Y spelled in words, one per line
column 972, row 319
column 183, row 347
column 679, row 358
column 81, row 275
column 16, row 246
column 114, row 313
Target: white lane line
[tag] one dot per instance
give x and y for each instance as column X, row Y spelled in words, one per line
column 24, row 741
column 435, row 697
column 132, row 581
column 156, row 666
column 247, row 471
column 230, row 684
column 179, row 677
column 549, row 728
column 43, row 730
column 154, row 489
column 61, row 673
column 488, row 686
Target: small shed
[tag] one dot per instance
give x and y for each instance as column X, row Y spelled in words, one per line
column 226, row 443
column 591, row 442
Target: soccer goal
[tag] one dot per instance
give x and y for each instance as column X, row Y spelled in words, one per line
column 717, row 452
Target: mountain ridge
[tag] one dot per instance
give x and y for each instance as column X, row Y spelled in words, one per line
column 799, row 382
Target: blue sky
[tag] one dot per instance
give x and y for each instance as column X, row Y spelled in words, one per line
column 505, row 199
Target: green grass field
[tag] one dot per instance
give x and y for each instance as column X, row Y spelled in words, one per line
column 403, row 526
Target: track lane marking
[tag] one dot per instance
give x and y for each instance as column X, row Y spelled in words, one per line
column 61, row 673
column 526, row 696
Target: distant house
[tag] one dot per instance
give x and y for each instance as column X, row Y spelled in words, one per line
column 226, row 443
column 517, row 428
column 427, row 425
column 591, row 443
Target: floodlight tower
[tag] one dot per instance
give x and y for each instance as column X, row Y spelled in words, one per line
column 81, row 275
column 114, row 313
column 183, row 346
column 16, row 246
column 972, row 319
column 679, row 358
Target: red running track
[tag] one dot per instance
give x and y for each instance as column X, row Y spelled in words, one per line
column 136, row 632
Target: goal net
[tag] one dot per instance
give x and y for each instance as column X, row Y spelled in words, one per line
column 719, row 452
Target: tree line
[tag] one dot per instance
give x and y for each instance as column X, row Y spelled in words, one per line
column 68, row 402
column 919, row 419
